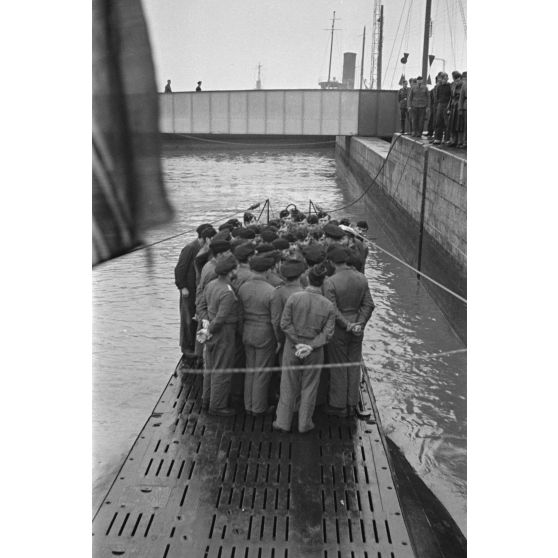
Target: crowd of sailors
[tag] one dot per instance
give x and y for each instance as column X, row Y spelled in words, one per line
column 264, row 307
column 442, row 110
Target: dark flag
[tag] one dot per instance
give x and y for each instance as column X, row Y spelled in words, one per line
column 128, row 191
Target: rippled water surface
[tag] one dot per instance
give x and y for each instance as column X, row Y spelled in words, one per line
column 136, row 320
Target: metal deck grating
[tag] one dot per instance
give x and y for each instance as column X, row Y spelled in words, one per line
column 196, row 485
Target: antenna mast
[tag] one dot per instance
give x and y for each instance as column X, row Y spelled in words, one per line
column 259, row 80
column 331, row 47
column 362, row 56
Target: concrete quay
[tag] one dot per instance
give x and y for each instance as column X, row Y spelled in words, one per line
column 423, row 191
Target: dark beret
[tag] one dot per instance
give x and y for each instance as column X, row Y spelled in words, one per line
column 333, row 231
column 338, row 254
column 301, row 233
column 312, row 220
column 234, row 222
column 268, row 235
column 235, row 232
column 225, row 265
column 244, row 251
column 202, row 227
column 201, row 259
column 314, row 253
column 345, row 221
column 284, row 213
column 362, row 225
column 208, row 232
column 255, row 228
column 354, row 260
column 246, row 233
column 292, row 269
column 219, row 245
column 281, row 244
column 264, row 247
column 223, row 235
column 275, row 223
column 224, row 226
column 236, row 243
column 317, row 274
column 261, row 263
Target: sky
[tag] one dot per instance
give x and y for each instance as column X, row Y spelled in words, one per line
column 221, row 42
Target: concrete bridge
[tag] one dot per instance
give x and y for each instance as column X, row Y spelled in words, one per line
column 304, row 112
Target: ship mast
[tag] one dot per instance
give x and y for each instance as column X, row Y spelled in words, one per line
column 427, row 24
column 259, row 80
column 377, row 40
column 331, row 47
column 362, row 56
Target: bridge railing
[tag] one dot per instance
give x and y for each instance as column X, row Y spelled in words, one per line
column 302, row 112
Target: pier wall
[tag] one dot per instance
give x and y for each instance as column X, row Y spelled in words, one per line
column 422, row 191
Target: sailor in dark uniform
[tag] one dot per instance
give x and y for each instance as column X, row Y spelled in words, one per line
column 185, row 280
column 255, row 296
column 308, row 322
column 243, row 253
column 291, row 270
column 219, row 306
column 217, row 246
column 348, row 290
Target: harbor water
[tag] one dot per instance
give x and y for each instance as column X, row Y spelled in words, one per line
column 422, row 400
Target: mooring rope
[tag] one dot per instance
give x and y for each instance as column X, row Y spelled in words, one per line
column 144, row 246
column 417, row 271
column 259, row 144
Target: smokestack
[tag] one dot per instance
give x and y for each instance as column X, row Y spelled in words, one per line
column 349, row 63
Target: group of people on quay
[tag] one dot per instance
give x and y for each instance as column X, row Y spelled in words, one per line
column 275, row 313
column 442, row 109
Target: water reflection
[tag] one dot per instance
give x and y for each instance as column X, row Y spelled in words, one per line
column 422, row 402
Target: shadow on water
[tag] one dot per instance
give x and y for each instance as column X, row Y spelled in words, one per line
column 136, row 322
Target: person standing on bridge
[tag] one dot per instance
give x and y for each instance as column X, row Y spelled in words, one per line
column 168, row 86
column 198, row 88
column 223, row 316
column 308, row 322
column 349, row 292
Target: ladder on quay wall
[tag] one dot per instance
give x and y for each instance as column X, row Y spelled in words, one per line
column 212, row 487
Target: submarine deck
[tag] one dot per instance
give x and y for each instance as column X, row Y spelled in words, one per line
column 215, row 487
